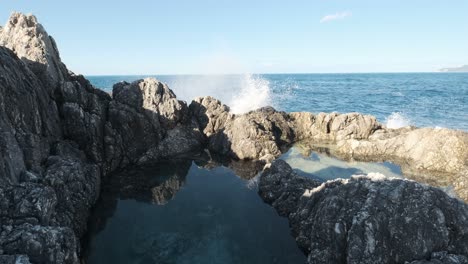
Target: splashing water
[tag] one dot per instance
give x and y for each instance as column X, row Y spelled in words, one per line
column 397, row 120
column 254, row 93
column 242, row 93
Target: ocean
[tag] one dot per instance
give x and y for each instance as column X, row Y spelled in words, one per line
column 396, row 99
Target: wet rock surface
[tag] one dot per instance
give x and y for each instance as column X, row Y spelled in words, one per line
column 368, row 218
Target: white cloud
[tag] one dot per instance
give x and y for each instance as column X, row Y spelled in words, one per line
column 336, row 16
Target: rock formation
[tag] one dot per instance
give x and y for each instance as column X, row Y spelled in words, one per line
column 368, row 218
column 61, row 138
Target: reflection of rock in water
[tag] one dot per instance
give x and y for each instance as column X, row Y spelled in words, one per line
column 245, row 169
column 153, row 184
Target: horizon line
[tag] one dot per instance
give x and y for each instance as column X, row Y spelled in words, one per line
column 285, row 73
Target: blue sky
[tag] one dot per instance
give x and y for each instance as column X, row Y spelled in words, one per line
column 200, row 37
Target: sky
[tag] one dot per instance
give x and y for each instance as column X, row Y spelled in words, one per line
column 218, row 36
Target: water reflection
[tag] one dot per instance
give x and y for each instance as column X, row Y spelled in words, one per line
column 188, row 212
column 319, row 164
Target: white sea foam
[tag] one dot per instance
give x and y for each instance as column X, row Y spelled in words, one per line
column 397, row 120
column 254, row 93
column 242, row 93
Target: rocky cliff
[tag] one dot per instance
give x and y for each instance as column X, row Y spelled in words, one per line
column 368, row 218
column 62, row 138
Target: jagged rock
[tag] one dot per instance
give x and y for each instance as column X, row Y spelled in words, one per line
column 154, row 100
column 210, row 114
column 144, row 114
column 368, row 218
column 443, row 258
column 60, row 136
column 248, row 136
column 83, row 111
column 332, row 127
column 29, row 40
column 76, row 184
column 14, row 259
column 29, row 119
column 43, row 244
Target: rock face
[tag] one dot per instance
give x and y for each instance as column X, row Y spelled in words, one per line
column 333, row 127
column 368, row 218
column 61, row 137
column 31, row 43
column 254, row 135
column 149, row 122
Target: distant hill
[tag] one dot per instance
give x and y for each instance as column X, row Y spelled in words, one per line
column 463, row 68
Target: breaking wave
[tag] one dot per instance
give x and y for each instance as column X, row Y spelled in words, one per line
column 254, row 93
column 242, row 93
column 397, row 120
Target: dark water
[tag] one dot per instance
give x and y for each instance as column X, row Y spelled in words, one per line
column 421, row 99
column 180, row 213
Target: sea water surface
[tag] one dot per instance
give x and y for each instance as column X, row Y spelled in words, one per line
column 396, row 99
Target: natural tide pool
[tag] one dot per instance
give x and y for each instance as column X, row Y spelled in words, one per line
column 179, row 212
column 190, row 211
column 324, row 167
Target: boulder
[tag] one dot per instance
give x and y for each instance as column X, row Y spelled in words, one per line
column 252, row 135
column 368, row 218
column 147, row 122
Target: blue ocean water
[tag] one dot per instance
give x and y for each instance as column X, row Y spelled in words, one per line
column 420, row 99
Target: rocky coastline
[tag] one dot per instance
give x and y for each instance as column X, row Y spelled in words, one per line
column 62, row 138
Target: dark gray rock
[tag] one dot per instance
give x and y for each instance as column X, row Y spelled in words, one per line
column 83, row 111
column 148, row 123
column 443, row 258
column 14, row 259
column 367, row 219
column 253, row 135
column 43, row 244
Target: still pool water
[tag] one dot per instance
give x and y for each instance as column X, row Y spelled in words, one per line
column 199, row 212
column 323, row 167
column 179, row 212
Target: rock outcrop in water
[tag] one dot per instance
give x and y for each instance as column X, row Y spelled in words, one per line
column 368, row 218
column 258, row 134
column 264, row 133
column 61, row 138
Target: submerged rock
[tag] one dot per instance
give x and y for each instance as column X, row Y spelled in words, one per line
column 368, row 218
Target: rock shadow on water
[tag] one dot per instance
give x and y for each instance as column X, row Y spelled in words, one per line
column 187, row 211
